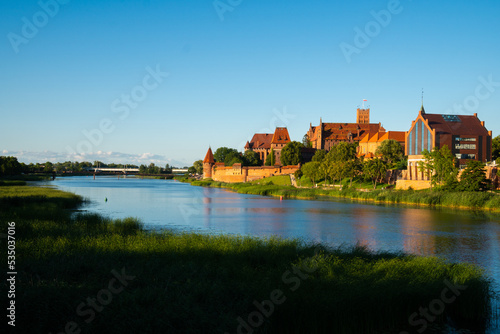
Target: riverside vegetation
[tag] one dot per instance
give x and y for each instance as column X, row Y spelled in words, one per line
column 279, row 186
column 68, row 262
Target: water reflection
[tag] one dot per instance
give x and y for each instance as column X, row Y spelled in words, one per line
column 457, row 236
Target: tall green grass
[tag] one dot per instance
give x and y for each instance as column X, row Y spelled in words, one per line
column 194, row 283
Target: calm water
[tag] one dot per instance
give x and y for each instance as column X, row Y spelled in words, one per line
column 160, row 204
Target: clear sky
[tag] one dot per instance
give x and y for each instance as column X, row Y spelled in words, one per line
column 160, row 81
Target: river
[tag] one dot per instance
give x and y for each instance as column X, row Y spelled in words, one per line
column 166, row 204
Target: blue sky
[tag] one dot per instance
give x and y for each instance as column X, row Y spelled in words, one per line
column 160, row 81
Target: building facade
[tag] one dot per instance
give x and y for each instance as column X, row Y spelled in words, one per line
column 465, row 135
column 371, row 142
column 326, row 135
column 263, row 143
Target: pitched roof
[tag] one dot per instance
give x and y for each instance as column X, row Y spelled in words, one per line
column 377, row 137
column 209, row 158
column 280, row 136
column 341, row 131
column 260, row 140
column 456, row 124
column 396, row 135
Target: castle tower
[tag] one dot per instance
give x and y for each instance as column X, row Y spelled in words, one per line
column 208, row 163
column 363, row 116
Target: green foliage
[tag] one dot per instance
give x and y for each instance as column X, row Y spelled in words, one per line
column 401, row 164
column 151, row 169
column 343, row 151
column 251, row 158
column 270, row 159
column 391, row 151
column 168, row 169
column 198, row 166
column 341, row 162
column 9, row 166
column 319, row 155
column 225, row 154
column 306, row 142
column 234, row 159
column 495, row 144
column 440, row 166
column 375, row 170
column 291, row 154
column 312, row 170
column 49, row 167
column 473, row 178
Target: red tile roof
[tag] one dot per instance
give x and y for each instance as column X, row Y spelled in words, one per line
column 396, row 135
column 260, row 140
column 209, row 158
column 280, row 136
column 456, row 124
column 340, row 131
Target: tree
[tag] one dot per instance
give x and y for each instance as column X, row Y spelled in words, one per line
column 439, row 165
column 234, row 159
column 270, row 159
column 49, row 167
column 391, row 151
column 225, row 154
column 324, row 168
column 495, row 145
column 306, row 142
column 198, row 166
column 343, row 159
column 374, row 169
column 291, row 154
column 311, row 170
column 343, row 151
column 473, row 177
column 251, row 158
column 168, row 169
column 9, row 166
column 351, row 169
column 319, row 155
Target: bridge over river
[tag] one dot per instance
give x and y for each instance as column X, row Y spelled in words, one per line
column 131, row 170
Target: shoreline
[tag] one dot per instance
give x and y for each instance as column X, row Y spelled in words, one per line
column 470, row 201
column 192, row 277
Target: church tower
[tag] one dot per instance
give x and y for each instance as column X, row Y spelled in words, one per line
column 208, row 163
column 363, row 116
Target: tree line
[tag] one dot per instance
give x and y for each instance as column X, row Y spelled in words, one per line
column 342, row 162
column 11, row 166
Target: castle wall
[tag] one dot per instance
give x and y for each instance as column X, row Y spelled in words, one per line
column 237, row 173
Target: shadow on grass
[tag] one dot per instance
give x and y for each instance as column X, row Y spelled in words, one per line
column 192, row 283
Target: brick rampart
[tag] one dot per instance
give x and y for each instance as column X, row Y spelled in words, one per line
column 237, row 173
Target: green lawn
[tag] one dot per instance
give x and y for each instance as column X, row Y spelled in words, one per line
column 281, row 180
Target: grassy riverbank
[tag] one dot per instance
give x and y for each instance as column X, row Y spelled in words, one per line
column 98, row 275
column 463, row 200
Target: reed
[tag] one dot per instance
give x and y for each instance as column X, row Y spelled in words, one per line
column 196, row 283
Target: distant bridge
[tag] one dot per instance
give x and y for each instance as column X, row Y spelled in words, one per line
column 114, row 170
column 179, row 170
column 130, row 170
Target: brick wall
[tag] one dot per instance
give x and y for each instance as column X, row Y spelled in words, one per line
column 238, row 173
